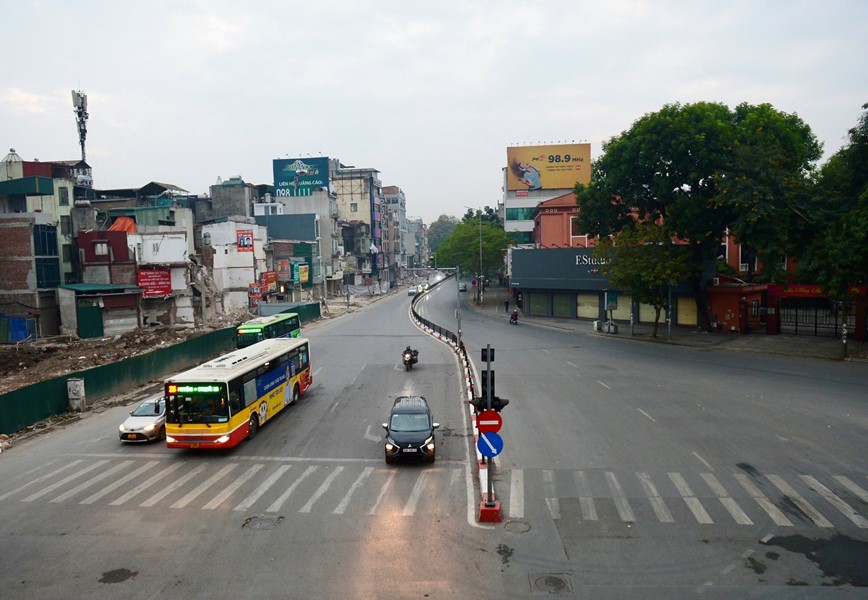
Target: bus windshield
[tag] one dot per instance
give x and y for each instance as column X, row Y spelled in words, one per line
column 248, row 337
column 197, row 403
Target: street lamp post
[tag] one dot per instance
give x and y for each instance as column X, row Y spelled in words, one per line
column 479, row 287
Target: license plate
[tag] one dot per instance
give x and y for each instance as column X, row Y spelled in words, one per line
column 131, row 436
column 410, row 450
column 194, row 445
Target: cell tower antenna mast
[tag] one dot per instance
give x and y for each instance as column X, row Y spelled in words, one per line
column 79, row 107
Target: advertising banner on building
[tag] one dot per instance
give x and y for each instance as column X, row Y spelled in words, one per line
column 156, row 282
column 244, row 240
column 303, row 273
column 268, row 281
column 555, row 167
column 284, row 270
column 254, row 294
column 300, row 176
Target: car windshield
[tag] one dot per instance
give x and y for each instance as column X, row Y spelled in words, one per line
column 150, row 408
column 404, row 422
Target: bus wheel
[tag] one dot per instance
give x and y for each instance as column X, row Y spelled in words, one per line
column 295, row 395
column 252, row 427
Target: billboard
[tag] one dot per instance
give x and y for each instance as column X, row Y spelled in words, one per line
column 555, row 167
column 300, row 176
column 156, row 282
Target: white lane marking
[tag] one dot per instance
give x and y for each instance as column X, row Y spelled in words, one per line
column 703, row 461
column 690, row 499
column 847, row 483
column 232, row 488
column 372, row 437
column 86, row 484
column 657, row 503
column 385, row 487
column 283, row 497
column 728, row 503
column 63, row 481
column 335, row 406
column 316, row 371
column 621, row 503
column 771, row 510
column 172, row 486
column 803, row 504
column 550, row 493
column 321, row 490
column 586, row 500
column 603, row 384
column 572, row 365
column 646, row 414
column 263, row 487
column 345, row 501
column 192, row 495
column 516, row 494
column 413, row 500
column 118, row 483
column 40, row 479
column 146, row 484
column 835, row 501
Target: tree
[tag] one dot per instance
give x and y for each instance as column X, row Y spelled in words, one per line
column 768, row 185
column 837, row 256
column 645, row 261
column 462, row 248
column 679, row 168
column 487, row 214
column 439, row 230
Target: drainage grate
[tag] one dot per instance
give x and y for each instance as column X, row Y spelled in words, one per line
column 261, row 522
column 551, row 584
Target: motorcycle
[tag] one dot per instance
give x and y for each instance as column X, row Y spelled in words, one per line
column 513, row 319
column 410, row 358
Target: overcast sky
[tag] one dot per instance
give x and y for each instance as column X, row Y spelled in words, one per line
column 429, row 93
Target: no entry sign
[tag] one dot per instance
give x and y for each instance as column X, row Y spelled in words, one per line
column 488, row 421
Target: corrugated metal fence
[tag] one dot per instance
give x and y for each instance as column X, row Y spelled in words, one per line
column 28, row 405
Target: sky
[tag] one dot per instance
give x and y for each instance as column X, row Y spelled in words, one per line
column 428, row 93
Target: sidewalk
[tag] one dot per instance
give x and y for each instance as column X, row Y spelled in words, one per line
column 789, row 345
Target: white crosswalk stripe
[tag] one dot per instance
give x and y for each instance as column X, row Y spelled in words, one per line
column 270, row 485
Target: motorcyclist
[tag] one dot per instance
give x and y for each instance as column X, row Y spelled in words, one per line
column 414, row 354
column 514, row 317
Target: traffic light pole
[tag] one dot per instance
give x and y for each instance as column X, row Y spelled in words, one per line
column 489, row 497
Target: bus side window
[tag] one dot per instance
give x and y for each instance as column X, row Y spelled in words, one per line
column 250, row 395
column 234, row 401
column 303, row 357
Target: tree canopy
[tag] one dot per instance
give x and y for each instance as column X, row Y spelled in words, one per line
column 691, row 170
column 462, row 248
column 439, row 230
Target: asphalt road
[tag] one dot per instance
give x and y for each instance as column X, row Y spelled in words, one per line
column 629, row 471
column 657, row 471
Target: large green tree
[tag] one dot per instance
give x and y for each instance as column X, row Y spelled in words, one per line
column 439, row 230
column 471, row 240
column 837, row 256
column 677, row 169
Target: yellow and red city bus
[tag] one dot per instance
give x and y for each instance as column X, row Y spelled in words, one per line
column 227, row 399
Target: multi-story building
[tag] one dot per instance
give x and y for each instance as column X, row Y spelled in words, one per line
column 360, row 200
column 396, row 203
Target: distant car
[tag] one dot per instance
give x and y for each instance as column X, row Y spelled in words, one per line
column 462, row 287
column 146, row 423
column 424, row 286
column 410, row 431
column 412, row 290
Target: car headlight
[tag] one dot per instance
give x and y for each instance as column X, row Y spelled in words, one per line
column 429, row 444
column 391, row 446
column 121, row 428
column 150, row 427
column 222, row 439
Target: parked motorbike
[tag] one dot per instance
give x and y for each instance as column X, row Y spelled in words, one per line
column 513, row 319
column 410, row 358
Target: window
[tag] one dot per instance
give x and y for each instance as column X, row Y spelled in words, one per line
column 45, row 240
column 67, row 252
column 354, row 207
column 100, row 248
column 520, row 214
column 64, row 196
column 65, row 225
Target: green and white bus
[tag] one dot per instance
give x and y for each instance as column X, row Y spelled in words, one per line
column 281, row 325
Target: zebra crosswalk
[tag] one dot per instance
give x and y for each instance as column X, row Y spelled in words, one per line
column 702, row 498
column 361, row 487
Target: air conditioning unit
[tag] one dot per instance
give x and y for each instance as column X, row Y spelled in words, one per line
column 715, row 281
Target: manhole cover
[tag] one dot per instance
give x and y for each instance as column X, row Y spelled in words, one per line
column 552, row 584
column 261, row 522
column 516, row 526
